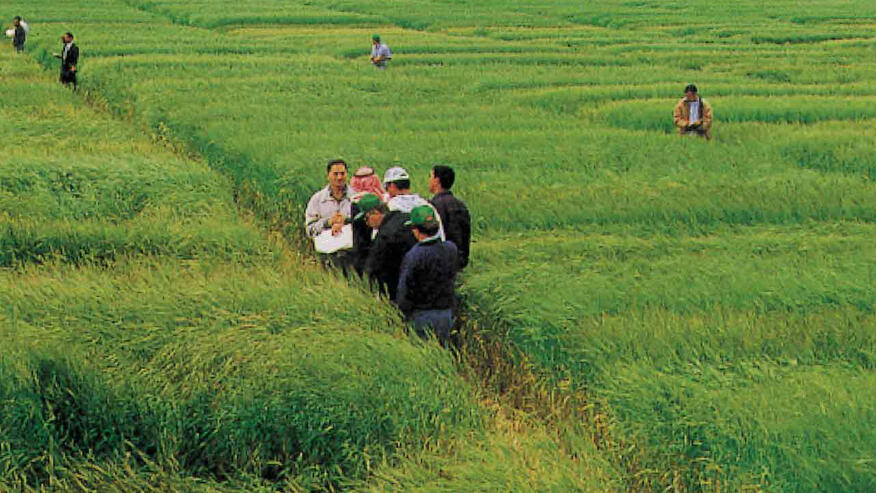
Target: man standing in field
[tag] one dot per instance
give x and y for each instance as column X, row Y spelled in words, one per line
column 392, row 242
column 69, row 58
column 693, row 115
column 426, row 280
column 19, row 36
column 397, row 183
column 380, row 53
column 454, row 215
column 329, row 208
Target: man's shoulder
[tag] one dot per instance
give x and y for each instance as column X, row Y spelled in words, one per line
column 449, row 246
column 447, row 199
column 320, row 194
column 395, row 221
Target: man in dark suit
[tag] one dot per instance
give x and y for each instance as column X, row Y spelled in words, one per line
column 453, row 212
column 69, row 59
column 20, row 35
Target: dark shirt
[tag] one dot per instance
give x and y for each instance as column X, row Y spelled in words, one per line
column 69, row 59
column 19, row 37
column 426, row 280
column 387, row 251
column 361, row 240
column 457, row 222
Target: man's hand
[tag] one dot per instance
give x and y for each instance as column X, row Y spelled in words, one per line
column 338, row 218
column 336, row 228
column 73, row 69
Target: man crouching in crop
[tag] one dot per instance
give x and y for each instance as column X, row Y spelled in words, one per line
column 693, row 115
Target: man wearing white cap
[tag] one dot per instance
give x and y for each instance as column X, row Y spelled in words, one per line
column 397, row 183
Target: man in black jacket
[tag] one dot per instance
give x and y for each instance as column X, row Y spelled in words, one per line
column 69, row 58
column 452, row 211
column 426, row 280
column 389, row 247
column 20, row 35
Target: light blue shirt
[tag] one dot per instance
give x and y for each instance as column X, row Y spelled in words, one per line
column 381, row 50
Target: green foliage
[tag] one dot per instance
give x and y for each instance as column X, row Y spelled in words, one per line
column 715, row 299
column 220, row 371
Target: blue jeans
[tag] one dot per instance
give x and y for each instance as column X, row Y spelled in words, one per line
column 440, row 322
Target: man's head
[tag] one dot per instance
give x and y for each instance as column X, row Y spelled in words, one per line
column 371, row 209
column 690, row 92
column 397, row 181
column 67, row 37
column 441, row 179
column 423, row 222
column 337, row 173
column 375, row 39
column 16, row 21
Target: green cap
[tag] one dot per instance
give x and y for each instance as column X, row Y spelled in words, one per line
column 422, row 214
column 375, row 37
column 366, row 204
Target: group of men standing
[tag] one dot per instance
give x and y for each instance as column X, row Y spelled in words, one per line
column 409, row 247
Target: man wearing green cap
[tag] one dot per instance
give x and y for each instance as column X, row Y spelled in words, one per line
column 389, row 247
column 427, row 277
column 380, row 53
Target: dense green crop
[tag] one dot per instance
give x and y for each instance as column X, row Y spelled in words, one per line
column 154, row 340
column 716, row 299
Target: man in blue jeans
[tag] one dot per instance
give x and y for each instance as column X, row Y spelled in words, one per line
column 426, row 280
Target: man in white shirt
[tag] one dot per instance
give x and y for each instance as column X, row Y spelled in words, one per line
column 329, row 210
column 380, row 53
column 397, row 183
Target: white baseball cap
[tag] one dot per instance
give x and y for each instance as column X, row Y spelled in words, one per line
column 395, row 173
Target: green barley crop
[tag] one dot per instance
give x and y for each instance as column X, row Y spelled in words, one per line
column 715, row 300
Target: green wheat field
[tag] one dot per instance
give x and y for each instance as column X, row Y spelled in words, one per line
column 643, row 312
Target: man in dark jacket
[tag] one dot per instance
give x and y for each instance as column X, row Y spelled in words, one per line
column 452, row 211
column 69, row 58
column 20, row 35
column 427, row 277
column 389, row 247
column 361, row 239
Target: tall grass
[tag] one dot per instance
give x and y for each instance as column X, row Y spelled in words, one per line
column 715, row 299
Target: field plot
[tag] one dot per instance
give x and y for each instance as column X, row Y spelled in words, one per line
column 153, row 340
column 715, row 299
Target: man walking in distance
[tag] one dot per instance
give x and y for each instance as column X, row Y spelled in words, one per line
column 389, row 247
column 693, row 115
column 426, row 280
column 380, row 53
column 69, row 59
column 453, row 213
